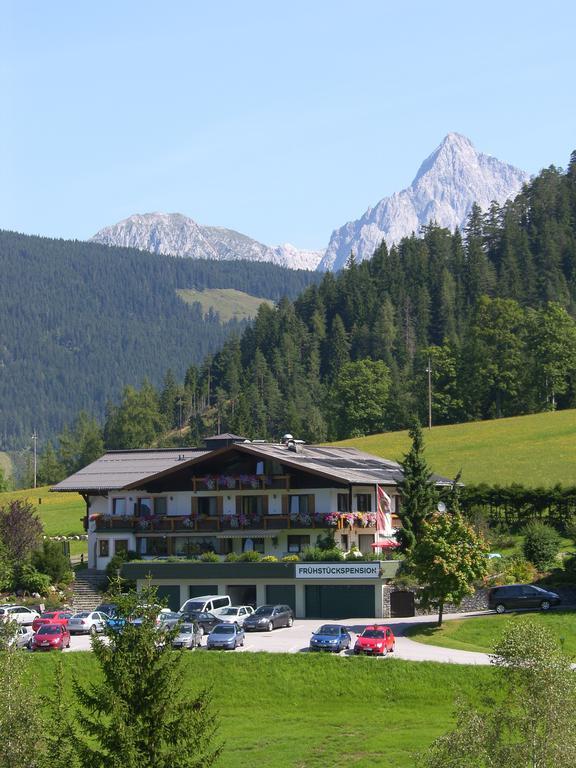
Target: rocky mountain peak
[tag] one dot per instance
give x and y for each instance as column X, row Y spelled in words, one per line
column 448, row 183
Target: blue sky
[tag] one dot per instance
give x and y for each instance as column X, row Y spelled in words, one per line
column 280, row 120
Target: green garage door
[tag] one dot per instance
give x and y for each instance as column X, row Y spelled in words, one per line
column 199, row 590
column 339, row 602
column 281, row 593
column 169, row 594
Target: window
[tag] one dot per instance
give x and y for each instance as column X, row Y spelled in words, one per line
column 298, row 505
column 220, row 602
column 343, row 504
column 252, row 506
column 185, row 546
column 363, row 502
column 157, row 545
column 298, row 543
column 103, row 548
column 120, row 546
column 253, row 545
column 143, row 507
column 119, row 507
column 226, row 546
column 160, row 505
column 207, row 506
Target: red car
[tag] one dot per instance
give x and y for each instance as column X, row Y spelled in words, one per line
column 51, row 637
column 51, row 617
column 377, row 640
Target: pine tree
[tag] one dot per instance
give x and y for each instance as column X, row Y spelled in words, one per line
column 418, row 494
column 140, row 713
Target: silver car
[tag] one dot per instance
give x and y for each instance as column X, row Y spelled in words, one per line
column 87, row 622
column 23, row 636
column 189, row 636
column 236, row 614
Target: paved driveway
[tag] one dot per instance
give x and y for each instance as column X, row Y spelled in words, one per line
column 295, row 639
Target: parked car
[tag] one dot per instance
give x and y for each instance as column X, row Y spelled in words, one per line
column 377, row 640
column 269, row 617
column 521, row 596
column 236, row 614
column 188, row 636
column 51, row 617
column 330, row 637
column 206, row 621
column 169, row 619
column 226, row 636
column 21, row 614
column 207, row 604
column 22, row 636
column 51, row 637
column 110, row 609
column 87, row 621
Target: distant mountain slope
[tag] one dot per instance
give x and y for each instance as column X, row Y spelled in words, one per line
column 228, row 302
column 79, row 321
column 448, row 182
column 177, row 235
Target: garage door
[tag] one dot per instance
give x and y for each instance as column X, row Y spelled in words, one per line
column 169, row 594
column 281, row 593
column 199, row 590
column 339, row 602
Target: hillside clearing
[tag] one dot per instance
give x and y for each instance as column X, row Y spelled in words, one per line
column 60, row 513
column 228, row 302
column 535, row 450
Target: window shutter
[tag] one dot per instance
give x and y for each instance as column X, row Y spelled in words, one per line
column 219, row 505
column 311, row 504
column 285, row 504
column 264, row 505
column 194, row 506
column 238, row 505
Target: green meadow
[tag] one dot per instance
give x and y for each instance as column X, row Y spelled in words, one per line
column 535, row 450
column 228, row 302
column 304, row 711
column 480, row 633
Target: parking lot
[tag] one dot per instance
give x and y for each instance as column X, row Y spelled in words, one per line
column 296, row 638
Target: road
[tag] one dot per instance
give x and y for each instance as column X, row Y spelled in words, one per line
column 295, row 640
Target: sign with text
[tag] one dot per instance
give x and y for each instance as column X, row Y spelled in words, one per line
column 338, row 570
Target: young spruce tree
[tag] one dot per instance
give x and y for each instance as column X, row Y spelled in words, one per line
column 138, row 714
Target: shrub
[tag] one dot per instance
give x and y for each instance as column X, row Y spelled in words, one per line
column 250, row 557
column 330, row 555
column 290, row 559
column 511, row 570
column 31, row 580
column 52, row 561
column 209, row 557
column 269, row 559
column 232, row 557
column 541, row 545
column 311, row 554
column 117, row 561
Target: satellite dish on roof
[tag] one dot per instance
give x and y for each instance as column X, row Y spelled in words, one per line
column 441, row 507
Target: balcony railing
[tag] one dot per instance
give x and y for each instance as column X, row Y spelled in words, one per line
column 240, row 482
column 189, row 523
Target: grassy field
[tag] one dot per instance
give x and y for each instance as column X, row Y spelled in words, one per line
column 481, row 632
column 5, row 464
column 228, row 302
column 303, row 711
column 60, row 512
column 536, row 450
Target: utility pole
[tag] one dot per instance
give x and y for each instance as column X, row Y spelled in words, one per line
column 429, row 372
column 34, row 442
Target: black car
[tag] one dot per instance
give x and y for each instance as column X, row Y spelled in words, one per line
column 518, row 596
column 269, row 617
column 206, row 621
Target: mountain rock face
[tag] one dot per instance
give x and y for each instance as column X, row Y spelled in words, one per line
column 177, row 235
column 448, row 182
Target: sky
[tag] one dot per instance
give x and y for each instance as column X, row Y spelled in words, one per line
column 282, row 120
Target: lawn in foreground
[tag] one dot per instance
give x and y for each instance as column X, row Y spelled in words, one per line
column 480, row 633
column 301, row 710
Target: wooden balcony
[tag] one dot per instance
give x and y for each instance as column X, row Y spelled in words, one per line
column 241, row 482
column 204, row 524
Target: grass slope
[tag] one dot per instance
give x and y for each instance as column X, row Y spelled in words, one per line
column 304, row 711
column 533, row 450
column 60, row 513
column 228, row 302
column 480, row 633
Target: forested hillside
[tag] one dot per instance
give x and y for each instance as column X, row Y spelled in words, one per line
column 78, row 321
column 491, row 311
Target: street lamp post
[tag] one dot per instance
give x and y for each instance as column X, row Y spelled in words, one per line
column 34, row 441
column 429, row 372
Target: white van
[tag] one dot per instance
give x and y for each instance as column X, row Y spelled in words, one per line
column 207, row 604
